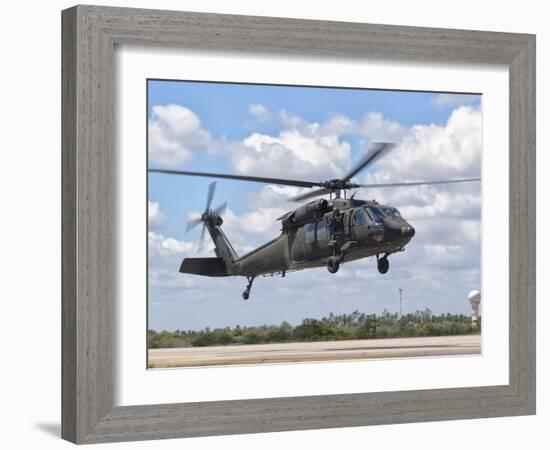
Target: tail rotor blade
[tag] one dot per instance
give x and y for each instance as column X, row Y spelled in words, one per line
column 206, row 216
column 200, row 247
column 192, row 224
column 220, row 209
column 211, row 191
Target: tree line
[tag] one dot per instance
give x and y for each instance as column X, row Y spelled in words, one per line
column 332, row 328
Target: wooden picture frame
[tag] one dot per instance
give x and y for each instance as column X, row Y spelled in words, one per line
column 90, row 34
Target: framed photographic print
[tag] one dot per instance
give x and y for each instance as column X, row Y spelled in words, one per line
column 267, row 222
column 284, row 226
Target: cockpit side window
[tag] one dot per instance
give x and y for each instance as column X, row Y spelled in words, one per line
column 359, row 218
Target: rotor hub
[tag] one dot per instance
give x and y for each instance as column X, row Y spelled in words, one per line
column 338, row 185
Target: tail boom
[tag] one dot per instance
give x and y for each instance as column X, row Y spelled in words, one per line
column 223, row 248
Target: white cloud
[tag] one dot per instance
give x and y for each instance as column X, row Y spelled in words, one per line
column 262, row 221
column 420, row 202
column 308, row 150
column 175, row 132
column 302, row 149
column 292, row 153
column 275, row 196
column 378, row 128
column 432, row 152
column 259, row 112
column 455, row 100
column 165, row 257
column 471, row 230
column 372, row 125
column 293, row 121
column 160, row 245
column 155, row 215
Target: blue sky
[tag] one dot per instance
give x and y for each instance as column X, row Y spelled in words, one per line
column 304, row 133
column 228, row 115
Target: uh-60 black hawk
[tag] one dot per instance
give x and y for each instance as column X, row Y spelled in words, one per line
column 319, row 233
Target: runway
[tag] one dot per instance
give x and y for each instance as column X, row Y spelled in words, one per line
column 314, row 351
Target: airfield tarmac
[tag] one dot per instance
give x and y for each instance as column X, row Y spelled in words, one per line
column 314, row 351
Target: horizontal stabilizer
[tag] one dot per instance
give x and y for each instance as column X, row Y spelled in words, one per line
column 209, row 267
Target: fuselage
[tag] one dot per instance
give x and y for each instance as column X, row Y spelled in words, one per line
column 358, row 229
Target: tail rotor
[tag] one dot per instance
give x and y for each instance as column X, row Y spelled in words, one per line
column 207, row 215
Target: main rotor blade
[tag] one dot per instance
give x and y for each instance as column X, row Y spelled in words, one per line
column 416, row 183
column 281, row 181
column 210, row 195
column 375, row 152
column 310, row 194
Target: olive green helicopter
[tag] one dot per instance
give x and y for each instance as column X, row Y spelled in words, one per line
column 323, row 232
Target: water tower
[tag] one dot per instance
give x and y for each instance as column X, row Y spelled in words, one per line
column 474, row 298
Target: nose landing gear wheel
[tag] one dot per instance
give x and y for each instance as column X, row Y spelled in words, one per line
column 383, row 265
column 333, row 264
column 246, row 294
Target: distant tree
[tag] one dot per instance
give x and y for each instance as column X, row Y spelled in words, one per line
column 252, row 337
column 356, row 325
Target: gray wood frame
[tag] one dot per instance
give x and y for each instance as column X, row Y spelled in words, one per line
column 89, row 36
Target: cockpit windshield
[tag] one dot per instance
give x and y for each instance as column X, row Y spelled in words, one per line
column 375, row 213
column 379, row 213
column 391, row 213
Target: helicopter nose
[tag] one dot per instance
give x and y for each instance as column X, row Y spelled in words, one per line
column 407, row 231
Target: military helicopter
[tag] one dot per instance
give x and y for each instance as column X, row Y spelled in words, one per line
column 319, row 233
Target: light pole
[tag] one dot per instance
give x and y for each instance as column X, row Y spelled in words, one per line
column 400, row 300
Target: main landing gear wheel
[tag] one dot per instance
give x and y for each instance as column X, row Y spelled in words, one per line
column 333, row 264
column 246, row 292
column 383, row 265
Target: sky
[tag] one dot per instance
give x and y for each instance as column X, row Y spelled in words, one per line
column 310, row 133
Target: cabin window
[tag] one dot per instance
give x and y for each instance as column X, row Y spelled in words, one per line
column 310, row 233
column 359, row 218
column 321, row 230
